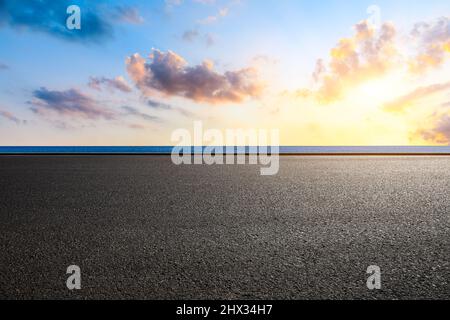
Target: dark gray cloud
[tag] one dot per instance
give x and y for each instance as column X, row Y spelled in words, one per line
column 169, row 74
column 3, row 66
column 194, row 35
column 118, row 83
column 158, row 105
column 190, row 35
column 50, row 16
column 165, row 106
column 62, row 107
column 135, row 112
column 72, row 103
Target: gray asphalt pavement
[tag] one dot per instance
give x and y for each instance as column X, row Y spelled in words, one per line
column 141, row 228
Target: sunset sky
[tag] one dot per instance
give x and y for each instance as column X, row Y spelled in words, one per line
column 322, row 72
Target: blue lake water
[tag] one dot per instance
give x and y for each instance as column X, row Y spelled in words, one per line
column 168, row 149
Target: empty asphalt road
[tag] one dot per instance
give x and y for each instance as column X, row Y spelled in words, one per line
column 140, row 227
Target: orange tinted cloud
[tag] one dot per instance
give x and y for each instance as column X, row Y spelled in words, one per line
column 402, row 103
column 9, row 116
column 447, row 47
column 438, row 132
column 434, row 45
column 118, row 83
column 169, row 74
column 366, row 55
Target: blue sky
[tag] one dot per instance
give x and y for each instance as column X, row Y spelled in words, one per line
column 281, row 39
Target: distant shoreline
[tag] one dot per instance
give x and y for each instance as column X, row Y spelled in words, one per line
column 235, row 154
column 224, row 150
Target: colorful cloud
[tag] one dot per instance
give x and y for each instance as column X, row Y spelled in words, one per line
column 433, row 45
column 367, row 55
column 70, row 103
column 118, row 83
column 169, row 74
column 9, row 116
column 403, row 102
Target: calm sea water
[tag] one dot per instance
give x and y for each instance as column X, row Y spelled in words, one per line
column 168, row 150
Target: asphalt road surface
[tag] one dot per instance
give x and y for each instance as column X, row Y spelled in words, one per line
column 140, row 227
